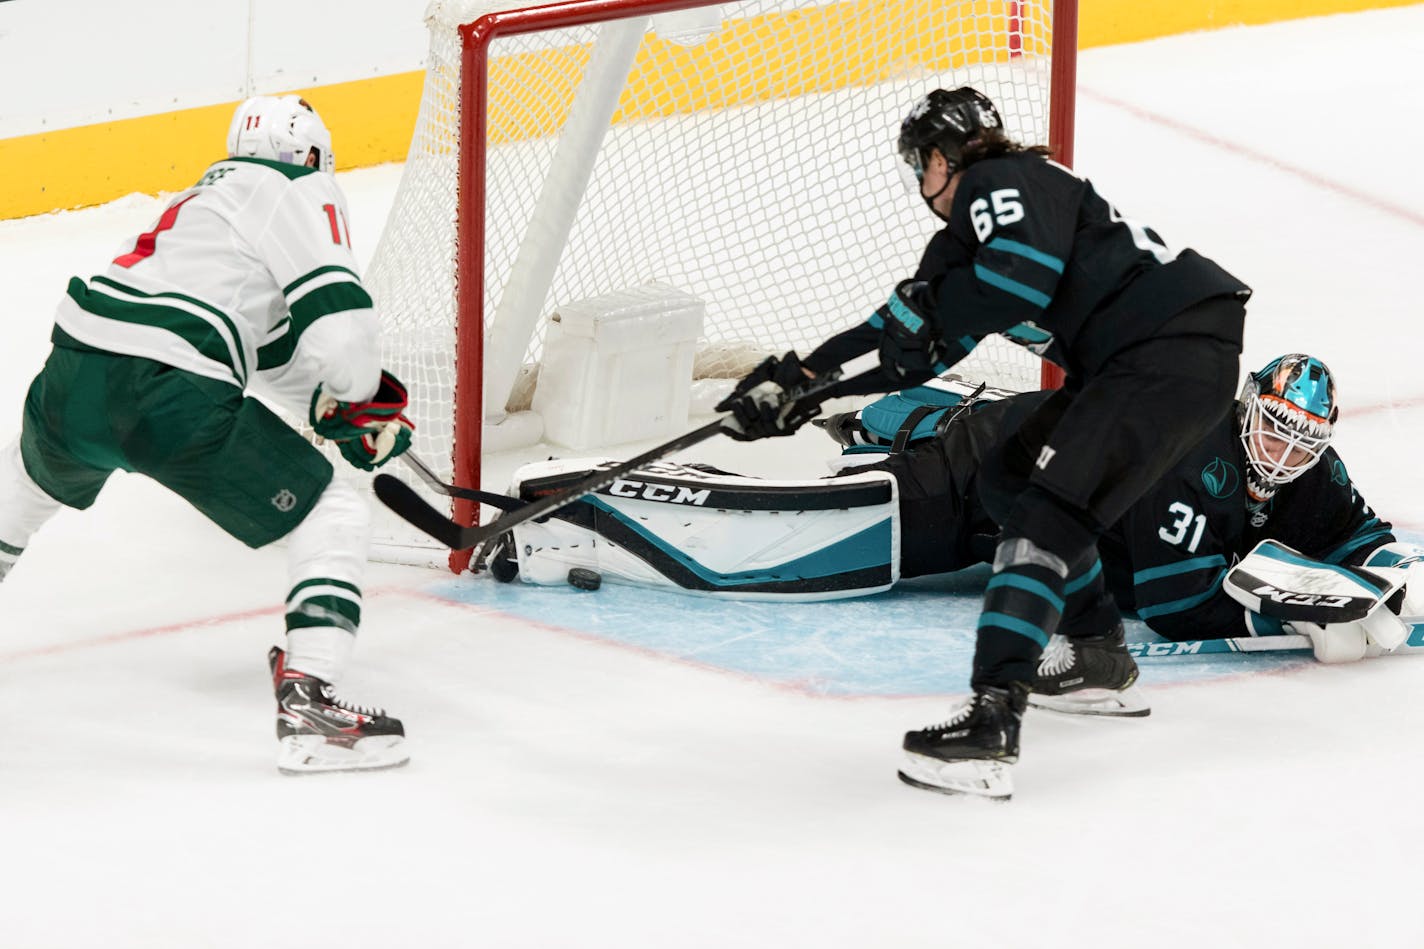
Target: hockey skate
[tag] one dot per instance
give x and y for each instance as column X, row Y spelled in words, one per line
column 971, row 753
column 319, row 732
column 1090, row 675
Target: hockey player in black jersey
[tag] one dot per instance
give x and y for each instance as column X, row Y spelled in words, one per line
column 1150, row 340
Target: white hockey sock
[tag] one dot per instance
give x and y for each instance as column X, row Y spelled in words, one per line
column 326, row 562
column 321, row 651
column 24, row 507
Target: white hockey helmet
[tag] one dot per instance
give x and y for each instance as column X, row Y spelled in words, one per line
column 280, row 128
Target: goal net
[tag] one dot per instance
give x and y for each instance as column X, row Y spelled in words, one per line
column 742, row 154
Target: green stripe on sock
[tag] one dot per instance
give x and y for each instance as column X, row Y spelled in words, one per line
column 325, row 611
column 323, row 582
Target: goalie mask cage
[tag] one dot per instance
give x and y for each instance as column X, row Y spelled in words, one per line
column 741, row 152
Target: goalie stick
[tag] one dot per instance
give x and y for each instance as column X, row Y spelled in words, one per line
column 1294, row 642
column 502, row 501
column 406, row 502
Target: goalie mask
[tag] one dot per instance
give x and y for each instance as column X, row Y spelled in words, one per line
column 947, row 121
column 280, row 128
column 1288, row 414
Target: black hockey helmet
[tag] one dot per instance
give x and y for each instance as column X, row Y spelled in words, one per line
column 946, row 120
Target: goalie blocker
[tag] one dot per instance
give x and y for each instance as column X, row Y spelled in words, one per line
column 698, row 530
column 1347, row 612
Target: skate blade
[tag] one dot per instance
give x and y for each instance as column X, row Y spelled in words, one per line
column 987, row 779
column 1108, row 703
column 312, row 754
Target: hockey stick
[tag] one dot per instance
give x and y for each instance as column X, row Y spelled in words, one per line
column 1200, row 647
column 403, row 499
column 1166, row 649
column 502, row 501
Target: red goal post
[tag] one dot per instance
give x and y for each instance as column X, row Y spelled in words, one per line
column 736, row 150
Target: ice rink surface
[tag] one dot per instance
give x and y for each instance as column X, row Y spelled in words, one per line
column 624, row 769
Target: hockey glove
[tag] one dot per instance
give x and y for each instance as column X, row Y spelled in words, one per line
column 768, row 403
column 369, row 433
column 910, row 347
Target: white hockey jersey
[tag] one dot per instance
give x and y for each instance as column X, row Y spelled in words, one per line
column 246, row 277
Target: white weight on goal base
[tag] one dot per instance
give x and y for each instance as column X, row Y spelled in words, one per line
column 618, row 368
column 743, row 153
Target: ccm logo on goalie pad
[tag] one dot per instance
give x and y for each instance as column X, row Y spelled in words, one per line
column 667, row 493
column 1332, row 602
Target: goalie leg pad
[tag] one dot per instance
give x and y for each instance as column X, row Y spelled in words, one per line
column 718, row 534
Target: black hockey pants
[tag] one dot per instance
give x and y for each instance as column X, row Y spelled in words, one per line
column 1073, row 468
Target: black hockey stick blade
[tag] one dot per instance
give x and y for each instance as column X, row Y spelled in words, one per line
column 502, row 501
column 401, row 498
column 405, row 501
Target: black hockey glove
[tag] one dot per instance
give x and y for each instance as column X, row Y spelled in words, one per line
column 910, row 347
column 768, row 402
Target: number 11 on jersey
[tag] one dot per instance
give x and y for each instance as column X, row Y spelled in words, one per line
column 337, row 220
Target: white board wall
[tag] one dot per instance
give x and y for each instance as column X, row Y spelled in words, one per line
column 65, row 63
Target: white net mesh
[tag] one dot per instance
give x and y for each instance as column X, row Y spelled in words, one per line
column 755, row 170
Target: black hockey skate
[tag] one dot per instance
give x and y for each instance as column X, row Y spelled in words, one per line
column 1089, row 675
column 970, row 753
column 319, row 732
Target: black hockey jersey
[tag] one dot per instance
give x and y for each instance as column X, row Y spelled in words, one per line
column 1167, row 556
column 1033, row 252
column 1037, row 254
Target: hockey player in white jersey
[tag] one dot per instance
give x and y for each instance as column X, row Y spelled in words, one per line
column 245, row 282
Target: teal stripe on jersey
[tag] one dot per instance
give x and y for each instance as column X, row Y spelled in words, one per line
column 332, row 298
column 10, row 549
column 1026, row 252
column 1172, row 569
column 194, row 330
column 1021, row 290
column 1367, row 532
column 1186, row 603
column 310, row 275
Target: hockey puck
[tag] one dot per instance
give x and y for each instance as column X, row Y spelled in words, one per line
column 585, row 579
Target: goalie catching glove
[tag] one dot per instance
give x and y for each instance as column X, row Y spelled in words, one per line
column 368, row 433
column 770, row 401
